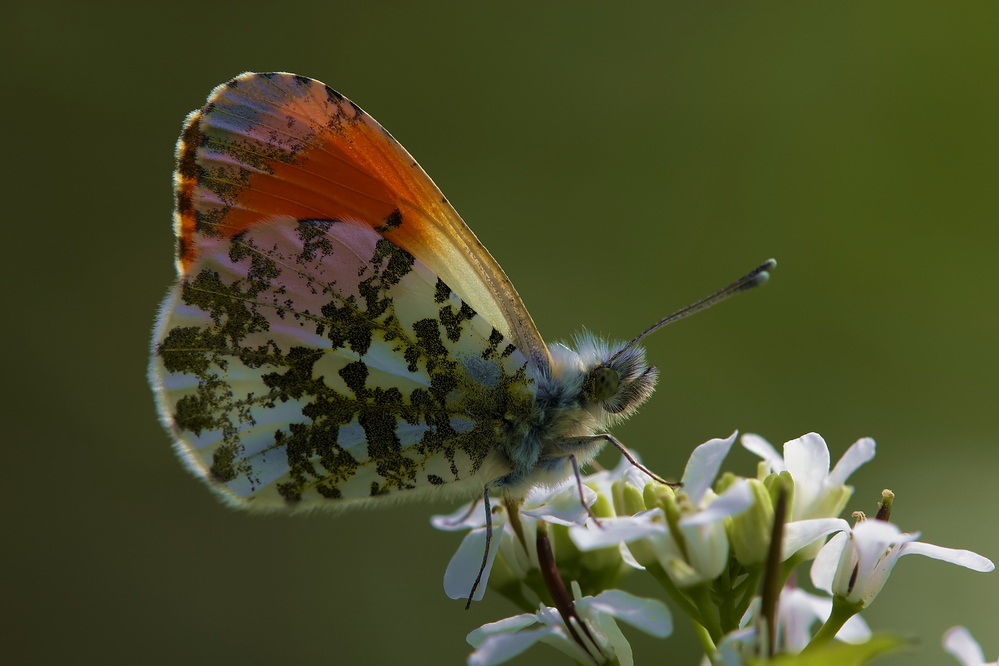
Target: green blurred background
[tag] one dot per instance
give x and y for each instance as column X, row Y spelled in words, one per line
column 619, row 163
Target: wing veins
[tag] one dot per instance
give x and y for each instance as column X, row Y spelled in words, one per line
column 313, row 144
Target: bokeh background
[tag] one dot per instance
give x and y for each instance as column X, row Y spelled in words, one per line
column 620, row 160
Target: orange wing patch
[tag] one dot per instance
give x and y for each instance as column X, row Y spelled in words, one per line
column 277, row 144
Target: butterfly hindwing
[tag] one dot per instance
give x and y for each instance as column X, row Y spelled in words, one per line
column 303, row 360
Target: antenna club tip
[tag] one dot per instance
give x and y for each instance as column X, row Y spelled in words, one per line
column 769, row 264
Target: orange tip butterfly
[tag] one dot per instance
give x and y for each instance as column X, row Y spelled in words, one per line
column 337, row 334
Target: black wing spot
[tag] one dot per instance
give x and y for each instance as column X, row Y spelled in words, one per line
column 393, row 220
column 333, row 95
column 442, row 292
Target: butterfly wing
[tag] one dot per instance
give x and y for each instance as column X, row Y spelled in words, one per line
column 337, row 332
column 281, row 144
column 312, row 360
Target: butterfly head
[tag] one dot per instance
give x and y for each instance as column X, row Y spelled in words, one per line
column 614, row 380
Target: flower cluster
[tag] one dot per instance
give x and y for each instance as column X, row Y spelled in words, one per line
column 724, row 549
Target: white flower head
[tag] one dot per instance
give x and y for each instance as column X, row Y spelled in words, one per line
column 498, row 642
column 818, row 493
column 700, row 515
column 559, row 506
column 855, row 564
column 959, row 642
column 799, row 611
column 797, row 614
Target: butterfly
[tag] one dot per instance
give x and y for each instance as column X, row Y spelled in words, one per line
column 338, row 336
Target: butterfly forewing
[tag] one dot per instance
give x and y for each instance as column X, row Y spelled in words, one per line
column 280, row 144
column 302, row 361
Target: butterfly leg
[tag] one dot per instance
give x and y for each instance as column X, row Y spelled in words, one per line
column 591, row 444
column 582, row 496
column 489, row 543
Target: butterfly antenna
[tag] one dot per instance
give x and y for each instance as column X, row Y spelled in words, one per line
column 754, row 278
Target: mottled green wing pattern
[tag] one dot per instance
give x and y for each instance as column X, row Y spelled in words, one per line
column 304, row 361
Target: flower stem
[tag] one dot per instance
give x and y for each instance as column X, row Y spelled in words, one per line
column 748, row 590
column 678, row 597
column 701, row 595
column 772, row 579
column 705, row 638
column 563, row 600
column 842, row 610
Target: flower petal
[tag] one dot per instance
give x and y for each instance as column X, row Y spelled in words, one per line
column 807, row 460
column 702, row 468
column 564, row 507
column 468, row 516
column 860, row 452
column 650, row 615
column 876, row 544
column 735, row 646
column 798, row 611
column 736, row 499
column 765, row 450
column 801, row 533
column 505, row 626
column 464, row 565
column 964, row 558
column 826, row 563
column 628, row 558
column 500, row 648
column 855, row 630
column 606, row 628
column 706, row 554
column 959, row 642
column 619, row 530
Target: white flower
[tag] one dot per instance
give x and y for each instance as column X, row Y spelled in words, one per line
column 818, row 493
column 703, row 553
column 735, row 649
column 560, row 506
column 856, row 563
column 625, row 472
column 958, row 642
column 501, row 641
column 797, row 613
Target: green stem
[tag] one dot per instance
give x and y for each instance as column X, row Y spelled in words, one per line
column 772, row 579
column 701, row 594
column 678, row 597
column 788, row 567
column 842, row 611
column 725, row 595
column 516, row 593
column 748, row 588
column 705, row 638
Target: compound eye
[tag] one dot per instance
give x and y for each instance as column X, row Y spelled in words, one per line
column 603, row 383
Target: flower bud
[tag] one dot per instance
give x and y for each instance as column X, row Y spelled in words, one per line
column 749, row 532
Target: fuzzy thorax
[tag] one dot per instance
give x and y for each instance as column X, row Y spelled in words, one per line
column 588, row 390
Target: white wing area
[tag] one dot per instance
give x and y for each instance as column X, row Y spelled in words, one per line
column 305, row 363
